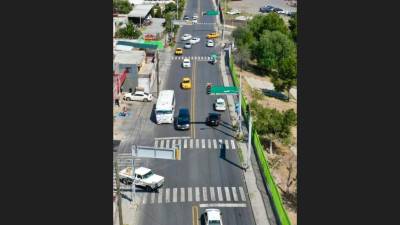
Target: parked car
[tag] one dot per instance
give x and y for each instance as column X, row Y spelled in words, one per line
column 178, row 51
column 194, row 40
column 267, row 9
column 220, row 105
column 186, row 63
column 233, row 12
column 210, row 43
column 213, row 119
column 186, row 83
column 138, row 96
column 183, row 120
column 143, row 177
column 213, row 217
column 186, row 37
column 279, row 11
column 212, row 35
column 188, row 45
column 275, row 94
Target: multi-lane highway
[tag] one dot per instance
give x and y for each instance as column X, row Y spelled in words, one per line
column 208, row 176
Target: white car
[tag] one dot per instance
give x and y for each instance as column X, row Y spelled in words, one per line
column 210, row 43
column 233, row 12
column 144, row 177
column 186, row 63
column 188, row 45
column 186, row 37
column 195, row 17
column 194, row 40
column 213, row 217
column 138, row 96
column 194, row 21
column 220, row 105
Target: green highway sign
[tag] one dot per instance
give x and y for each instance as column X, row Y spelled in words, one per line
column 212, row 13
column 220, row 90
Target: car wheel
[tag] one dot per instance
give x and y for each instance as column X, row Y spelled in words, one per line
column 148, row 188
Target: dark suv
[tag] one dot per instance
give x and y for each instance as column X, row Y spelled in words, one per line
column 183, row 121
column 267, row 9
column 213, row 119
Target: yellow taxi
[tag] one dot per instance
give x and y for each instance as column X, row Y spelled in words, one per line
column 178, row 51
column 186, row 83
column 213, row 35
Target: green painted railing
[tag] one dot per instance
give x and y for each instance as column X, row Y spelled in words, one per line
column 276, row 197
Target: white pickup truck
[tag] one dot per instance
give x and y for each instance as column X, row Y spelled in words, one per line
column 144, row 177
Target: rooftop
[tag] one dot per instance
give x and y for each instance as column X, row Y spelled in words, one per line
column 140, row 11
column 142, row 170
column 213, row 214
column 134, row 57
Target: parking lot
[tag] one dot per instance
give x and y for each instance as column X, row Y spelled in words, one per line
column 253, row 6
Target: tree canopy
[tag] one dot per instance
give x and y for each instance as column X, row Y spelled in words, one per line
column 271, row 22
column 293, row 27
column 122, row 6
column 130, row 32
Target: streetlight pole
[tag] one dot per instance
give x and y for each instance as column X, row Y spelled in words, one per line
column 133, row 175
column 249, row 139
column 158, row 74
column 240, row 103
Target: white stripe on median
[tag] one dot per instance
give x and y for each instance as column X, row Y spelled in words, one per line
column 230, row 205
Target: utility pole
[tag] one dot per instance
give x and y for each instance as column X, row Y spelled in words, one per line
column 118, row 192
column 249, row 143
column 240, row 103
column 158, row 74
column 133, row 175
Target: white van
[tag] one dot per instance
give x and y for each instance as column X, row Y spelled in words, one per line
column 165, row 107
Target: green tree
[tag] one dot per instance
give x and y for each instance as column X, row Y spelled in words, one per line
column 157, row 11
column 243, row 55
column 170, row 7
column 129, row 32
column 272, row 49
column 271, row 22
column 293, row 27
column 169, row 26
column 243, row 35
column 122, row 6
column 286, row 75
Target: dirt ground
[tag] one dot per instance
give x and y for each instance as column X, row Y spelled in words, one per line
column 283, row 160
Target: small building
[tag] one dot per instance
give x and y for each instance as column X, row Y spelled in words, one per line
column 139, row 13
column 146, row 76
column 132, row 61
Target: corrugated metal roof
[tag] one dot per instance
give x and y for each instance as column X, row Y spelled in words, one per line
column 140, row 11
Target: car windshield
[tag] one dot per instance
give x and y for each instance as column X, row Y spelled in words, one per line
column 147, row 175
column 183, row 120
column 214, row 222
column 163, row 112
column 185, row 81
column 214, row 116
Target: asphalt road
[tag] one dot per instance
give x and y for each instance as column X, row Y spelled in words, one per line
column 210, row 175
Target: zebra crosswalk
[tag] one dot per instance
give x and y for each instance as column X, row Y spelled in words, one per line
column 197, row 58
column 171, row 195
column 210, row 144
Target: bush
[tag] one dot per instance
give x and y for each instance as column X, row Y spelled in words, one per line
column 122, row 6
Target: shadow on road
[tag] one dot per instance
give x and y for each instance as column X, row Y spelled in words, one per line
column 116, row 144
column 222, row 155
column 153, row 114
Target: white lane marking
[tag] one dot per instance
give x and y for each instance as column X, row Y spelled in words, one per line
column 153, row 197
column 215, row 143
column 182, row 194
column 167, row 143
column 156, row 143
column 203, row 143
column 209, row 143
column 219, row 192
column 197, row 194
column 227, row 195
column 175, row 194
column 189, row 194
column 166, row 138
column 212, row 194
column 180, row 143
column 226, row 144
column 235, row 197
column 242, row 195
column 205, row 194
column 221, row 205
column 197, row 143
column 173, row 143
column 167, row 195
column 191, row 143
column 233, row 144
column 185, row 143
column 162, row 144
column 160, row 191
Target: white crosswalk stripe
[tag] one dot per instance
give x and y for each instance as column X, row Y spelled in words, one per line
column 197, row 143
column 227, row 195
column 153, row 197
column 203, row 143
column 160, row 191
column 185, row 143
column 167, row 143
column 219, row 192
column 205, row 198
column 182, row 194
column 189, row 194
column 161, row 143
column 197, row 190
column 209, row 143
column 215, row 143
column 226, row 144
column 180, row 143
column 233, row 144
column 173, row 143
column 191, row 143
column 174, row 195
column 242, row 195
column 156, row 143
column 167, row 200
column 212, row 194
column 235, row 197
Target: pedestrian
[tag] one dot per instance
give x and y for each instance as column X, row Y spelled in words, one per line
column 117, row 102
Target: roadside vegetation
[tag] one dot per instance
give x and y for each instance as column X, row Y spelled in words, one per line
column 130, row 31
column 122, row 6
